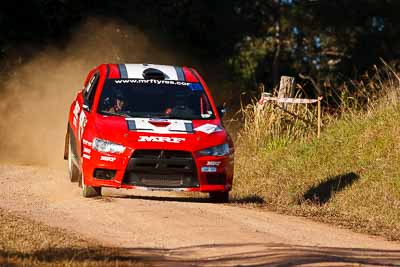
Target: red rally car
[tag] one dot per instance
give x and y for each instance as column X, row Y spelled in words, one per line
column 152, row 127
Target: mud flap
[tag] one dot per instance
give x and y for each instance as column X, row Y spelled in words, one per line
column 66, row 144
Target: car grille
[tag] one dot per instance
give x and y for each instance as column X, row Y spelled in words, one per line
column 161, row 168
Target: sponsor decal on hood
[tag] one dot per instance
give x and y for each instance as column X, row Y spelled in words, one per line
column 208, row 128
column 162, row 126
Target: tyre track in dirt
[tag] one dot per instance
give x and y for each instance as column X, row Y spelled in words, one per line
column 184, row 229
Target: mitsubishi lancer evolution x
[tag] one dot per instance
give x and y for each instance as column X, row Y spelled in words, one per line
column 151, row 127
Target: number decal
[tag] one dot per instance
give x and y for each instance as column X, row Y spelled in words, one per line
column 82, row 124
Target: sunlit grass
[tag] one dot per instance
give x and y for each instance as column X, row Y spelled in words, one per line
column 350, row 176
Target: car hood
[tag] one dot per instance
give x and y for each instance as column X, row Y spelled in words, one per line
column 148, row 133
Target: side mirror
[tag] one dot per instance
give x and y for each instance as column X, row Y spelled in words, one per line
column 221, row 111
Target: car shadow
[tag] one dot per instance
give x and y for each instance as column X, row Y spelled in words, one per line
column 252, row 199
column 324, row 191
column 164, row 198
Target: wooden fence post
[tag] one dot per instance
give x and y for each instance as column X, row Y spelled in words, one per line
column 286, row 87
column 319, row 118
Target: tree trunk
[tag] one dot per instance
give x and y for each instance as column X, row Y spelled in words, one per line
column 275, row 63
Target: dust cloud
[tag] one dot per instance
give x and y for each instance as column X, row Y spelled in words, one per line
column 35, row 99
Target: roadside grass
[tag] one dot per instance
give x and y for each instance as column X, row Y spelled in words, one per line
column 350, row 177
column 24, row 242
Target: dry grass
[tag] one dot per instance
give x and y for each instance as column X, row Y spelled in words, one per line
column 272, row 126
column 24, row 242
column 349, row 177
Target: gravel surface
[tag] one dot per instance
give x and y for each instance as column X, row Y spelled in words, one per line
column 184, row 229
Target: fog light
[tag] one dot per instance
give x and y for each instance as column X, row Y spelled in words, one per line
column 216, row 178
column 104, row 174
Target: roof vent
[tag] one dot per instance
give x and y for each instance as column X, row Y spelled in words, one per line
column 155, row 74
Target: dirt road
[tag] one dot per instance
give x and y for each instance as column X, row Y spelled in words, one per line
column 171, row 228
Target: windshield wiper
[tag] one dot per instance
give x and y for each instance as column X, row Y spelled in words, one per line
column 177, row 117
column 115, row 114
column 128, row 114
column 169, row 116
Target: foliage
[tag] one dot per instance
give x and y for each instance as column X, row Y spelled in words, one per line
column 250, row 55
column 329, row 42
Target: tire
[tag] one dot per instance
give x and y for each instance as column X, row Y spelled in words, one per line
column 89, row 191
column 73, row 171
column 219, row 197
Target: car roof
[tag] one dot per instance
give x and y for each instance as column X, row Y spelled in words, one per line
column 148, row 71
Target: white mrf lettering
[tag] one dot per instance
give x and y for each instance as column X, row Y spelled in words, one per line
column 161, row 139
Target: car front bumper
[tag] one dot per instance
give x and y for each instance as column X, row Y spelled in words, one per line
column 208, row 173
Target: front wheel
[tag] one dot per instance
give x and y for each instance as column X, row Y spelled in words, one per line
column 219, row 197
column 89, row 191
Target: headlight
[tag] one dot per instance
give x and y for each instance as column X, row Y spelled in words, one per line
column 220, row 150
column 107, row 146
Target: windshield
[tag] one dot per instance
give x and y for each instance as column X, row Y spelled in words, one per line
column 155, row 99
